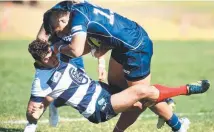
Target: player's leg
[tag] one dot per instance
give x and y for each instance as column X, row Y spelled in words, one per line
column 144, row 59
column 117, row 81
column 161, row 121
column 154, row 94
column 116, row 72
column 138, row 63
column 116, row 77
column 108, row 106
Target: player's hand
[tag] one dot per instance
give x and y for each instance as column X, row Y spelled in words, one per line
column 37, row 111
column 102, row 74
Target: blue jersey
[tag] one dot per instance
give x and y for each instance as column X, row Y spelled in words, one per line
column 105, row 28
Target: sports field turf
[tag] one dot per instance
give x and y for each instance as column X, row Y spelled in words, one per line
column 174, row 63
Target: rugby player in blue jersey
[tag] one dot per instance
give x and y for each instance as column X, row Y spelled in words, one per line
column 53, row 112
column 68, row 84
column 105, row 30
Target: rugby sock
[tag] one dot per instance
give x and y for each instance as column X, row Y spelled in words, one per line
column 168, row 92
column 30, row 127
column 174, row 123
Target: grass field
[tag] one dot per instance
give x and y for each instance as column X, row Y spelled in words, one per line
column 174, row 63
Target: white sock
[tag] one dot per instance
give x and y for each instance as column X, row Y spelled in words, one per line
column 30, row 127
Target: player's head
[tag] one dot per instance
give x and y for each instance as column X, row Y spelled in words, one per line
column 56, row 21
column 43, row 54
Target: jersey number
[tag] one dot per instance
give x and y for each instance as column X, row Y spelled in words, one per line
column 110, row 16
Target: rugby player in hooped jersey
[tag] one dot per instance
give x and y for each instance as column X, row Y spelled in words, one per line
column 69, row 84
column 105, row 30
column 53, row 112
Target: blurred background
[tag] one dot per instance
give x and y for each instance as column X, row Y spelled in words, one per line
column 163, row 20
column 183, row 35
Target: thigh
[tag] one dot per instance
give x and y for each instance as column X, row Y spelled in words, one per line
column 116, row 74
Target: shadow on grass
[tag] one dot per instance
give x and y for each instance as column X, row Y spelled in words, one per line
column 12, row 130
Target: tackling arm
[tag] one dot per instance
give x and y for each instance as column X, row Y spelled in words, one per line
column 42, row 34
column 76, row 48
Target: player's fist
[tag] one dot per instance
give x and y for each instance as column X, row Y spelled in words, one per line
column 102, row 74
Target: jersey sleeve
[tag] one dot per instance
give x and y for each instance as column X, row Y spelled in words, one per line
column 79, row 22
column 40, row 87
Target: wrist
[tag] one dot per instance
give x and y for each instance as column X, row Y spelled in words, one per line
column 101, row 63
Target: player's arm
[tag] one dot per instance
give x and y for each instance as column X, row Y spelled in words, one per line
column 100, row 55
column 42, row 34
column 36, row 107
column 29, row 111
column 78, row 30
column 102, row 74
column 76, row 48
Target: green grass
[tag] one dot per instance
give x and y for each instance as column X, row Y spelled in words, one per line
column 174, row 63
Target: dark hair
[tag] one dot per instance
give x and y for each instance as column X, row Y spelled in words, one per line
column 47, row 22
column 58, row 10
column 38, row 49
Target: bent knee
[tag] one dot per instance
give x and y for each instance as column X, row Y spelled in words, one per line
column 143, row 91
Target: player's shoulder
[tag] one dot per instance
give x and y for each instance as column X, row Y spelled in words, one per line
column 83, row 7
column 42, row 74
column 39, row 84
column 63, row 5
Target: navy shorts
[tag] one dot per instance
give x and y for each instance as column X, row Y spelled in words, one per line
column 36, row 99
column 104, row 110
column 136, row 62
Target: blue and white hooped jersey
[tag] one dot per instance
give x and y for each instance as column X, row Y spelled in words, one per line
column 105, row 28
column 68, row 84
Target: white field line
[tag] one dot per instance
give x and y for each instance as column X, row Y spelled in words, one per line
column 83, row 119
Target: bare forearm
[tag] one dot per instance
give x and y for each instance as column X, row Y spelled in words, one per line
column 36, row 109
column 67, row 50
column 74, row 52
column 42, row 34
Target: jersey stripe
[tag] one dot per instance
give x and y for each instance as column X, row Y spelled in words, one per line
column 92, row 105
column 78, row 96
column 86, row 100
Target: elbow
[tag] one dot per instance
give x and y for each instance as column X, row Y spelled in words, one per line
column 42, row 37
column 77, row 52
column 77, row 55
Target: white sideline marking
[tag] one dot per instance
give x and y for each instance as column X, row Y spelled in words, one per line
column 83, row 119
